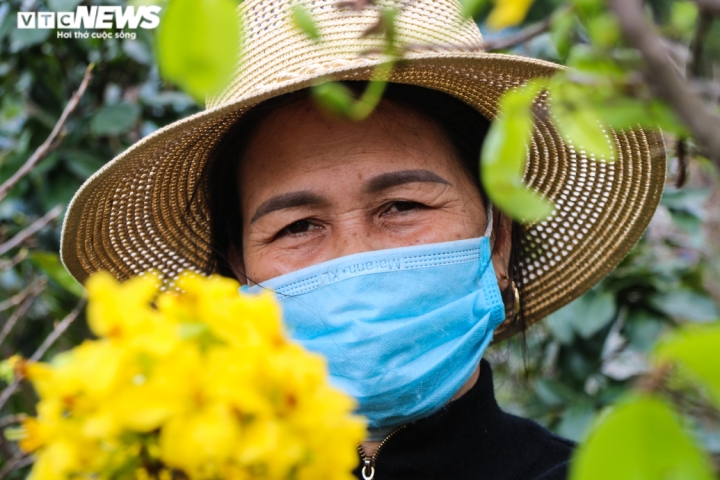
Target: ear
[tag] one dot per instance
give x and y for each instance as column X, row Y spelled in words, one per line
column 502, row 245
column 237, row 264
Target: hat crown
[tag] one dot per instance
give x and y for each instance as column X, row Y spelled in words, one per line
column 275, row 52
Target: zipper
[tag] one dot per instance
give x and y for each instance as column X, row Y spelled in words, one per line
column 368, row 463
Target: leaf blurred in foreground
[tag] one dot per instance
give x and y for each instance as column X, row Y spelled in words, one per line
column 198, row 45
column 304, row 21
column 504, row 154
column 696, row 349
column 578, row 121
column 639, row 439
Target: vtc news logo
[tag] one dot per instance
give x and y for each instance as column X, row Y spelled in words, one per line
column 93, row 18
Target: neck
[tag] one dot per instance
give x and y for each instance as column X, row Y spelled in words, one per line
column 370, row 447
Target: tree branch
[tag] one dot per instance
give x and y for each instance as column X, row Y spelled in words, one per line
column 710, row 6
column 8, row 264
column 31, row 230
column 49, row 144
column 19, row 297
column 19, row 460
column 664, row 80
column 19, row 312
column 525, row 35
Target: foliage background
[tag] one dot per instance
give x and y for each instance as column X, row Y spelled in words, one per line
column 580, row 360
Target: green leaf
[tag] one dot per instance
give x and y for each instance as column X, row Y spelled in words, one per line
column 585, row 316
column 82, row 164
column 471, row 8
column 640, row 439
column 304, row 21
column 14, row 434
column 599, row 310
column 63, row 5
column 198, row 45
column 334, row 98
column 504, row 155
column 683, row 17
column 686, row 305
column 49, row 263
column 697, row 348
column 22, row 38
column 604, row 30
column 561, row 33
column 338, row 100
column 7, row 372
column 575, row 421
column 115, row 119
column 578, row 122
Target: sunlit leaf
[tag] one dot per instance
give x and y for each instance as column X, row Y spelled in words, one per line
column 604, row 30
column 579, row 123
column 7, row 372
column 683, row 17
column 639, row 439
column 49, row 263
column 504, row 155
column 507, row 13
column 304, row 21
column 698, row 350
column 198, row 44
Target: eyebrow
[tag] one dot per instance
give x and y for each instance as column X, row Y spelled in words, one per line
column 288, row 200
column 393, row 179
column 380, row 182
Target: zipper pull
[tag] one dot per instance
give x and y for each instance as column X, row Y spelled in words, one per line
column 368, row 468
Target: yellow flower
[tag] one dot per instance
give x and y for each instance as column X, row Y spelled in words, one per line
column 202, row 382
column 507, row 13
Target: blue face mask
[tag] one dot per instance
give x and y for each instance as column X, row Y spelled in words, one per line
column 402, row 329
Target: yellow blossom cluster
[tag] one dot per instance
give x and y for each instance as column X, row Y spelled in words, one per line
column 202, row 384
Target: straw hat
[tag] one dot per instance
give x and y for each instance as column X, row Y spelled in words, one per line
column 129, row 216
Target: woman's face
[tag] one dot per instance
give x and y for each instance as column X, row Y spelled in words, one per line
column 314, row 188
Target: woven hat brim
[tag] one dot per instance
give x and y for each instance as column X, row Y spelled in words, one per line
column 136, row 212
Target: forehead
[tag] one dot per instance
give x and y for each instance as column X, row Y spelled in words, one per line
column 299, row 141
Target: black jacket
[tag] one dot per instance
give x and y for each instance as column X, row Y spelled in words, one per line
column 471, row 438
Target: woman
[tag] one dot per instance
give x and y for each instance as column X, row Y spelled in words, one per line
column 382, row 247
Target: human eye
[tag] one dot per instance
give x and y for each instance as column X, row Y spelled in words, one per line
column 402, row 206
column 298, row 228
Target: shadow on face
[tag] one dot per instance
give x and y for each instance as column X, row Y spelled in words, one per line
column 314, row 187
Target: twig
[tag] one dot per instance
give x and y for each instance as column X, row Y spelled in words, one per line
column 661, row 76
column 10, row 419
column 54, row 335
column 17, row 314
column 19, row 297
column 356, row 5
column 31, row 230
column 47, row 146
column 701, row 29
column 524, row 36
column 8, row 264
column 57, row 331
column 19, row 460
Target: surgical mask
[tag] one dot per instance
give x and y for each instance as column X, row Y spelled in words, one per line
column 402, row 329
